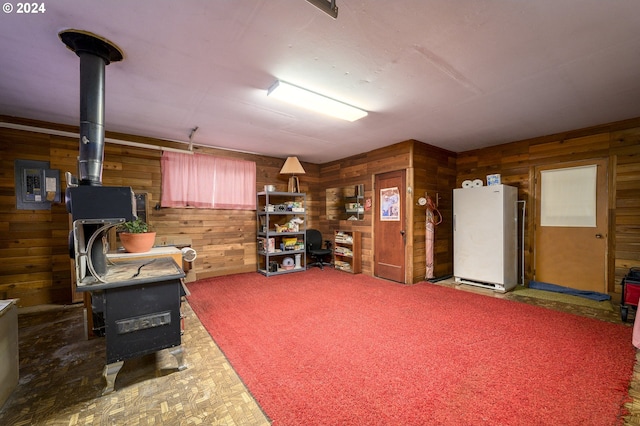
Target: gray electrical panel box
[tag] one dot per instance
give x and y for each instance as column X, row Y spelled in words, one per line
column 37, row 186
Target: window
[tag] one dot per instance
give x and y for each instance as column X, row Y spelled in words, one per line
column 569, row 197
column 206, row 181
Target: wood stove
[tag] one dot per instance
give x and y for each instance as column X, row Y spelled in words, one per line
column 139, row 304
column 135, row 304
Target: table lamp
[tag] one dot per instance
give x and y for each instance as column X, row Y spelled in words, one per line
column 292, row 167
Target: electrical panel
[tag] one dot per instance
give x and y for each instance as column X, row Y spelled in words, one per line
column 36, row 185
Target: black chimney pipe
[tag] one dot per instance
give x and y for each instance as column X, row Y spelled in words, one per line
column 90, row 200
column 94, row 53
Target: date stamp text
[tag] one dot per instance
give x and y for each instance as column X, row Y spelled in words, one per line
column 24, row 8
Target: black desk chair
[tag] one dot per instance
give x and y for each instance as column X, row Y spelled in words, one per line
column 316, row 253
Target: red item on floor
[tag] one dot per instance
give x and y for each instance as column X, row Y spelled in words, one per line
column 631, row 292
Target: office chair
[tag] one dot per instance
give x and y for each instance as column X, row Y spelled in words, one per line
column 315, row 251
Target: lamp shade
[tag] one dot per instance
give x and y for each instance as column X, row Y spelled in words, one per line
column 292, row 167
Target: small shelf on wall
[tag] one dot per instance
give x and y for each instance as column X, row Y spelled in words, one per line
column 345, row 203
column 347, row 254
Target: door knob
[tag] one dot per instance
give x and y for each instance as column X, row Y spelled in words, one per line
column 599, row 236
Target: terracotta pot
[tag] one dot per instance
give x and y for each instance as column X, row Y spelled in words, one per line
column 138, row 243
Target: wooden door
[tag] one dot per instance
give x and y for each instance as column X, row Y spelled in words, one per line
column 390, row 226
column 571, row 242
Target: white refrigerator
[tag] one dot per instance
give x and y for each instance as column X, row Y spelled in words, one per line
column 485, row 236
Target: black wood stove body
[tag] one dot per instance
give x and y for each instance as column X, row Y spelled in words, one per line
column 141, row 315
column 136, row 303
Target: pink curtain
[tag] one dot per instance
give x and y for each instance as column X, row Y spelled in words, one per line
column 175, row 169
column 234, row 184
column 205, row 181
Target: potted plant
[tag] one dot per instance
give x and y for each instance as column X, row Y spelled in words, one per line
column 136, row 236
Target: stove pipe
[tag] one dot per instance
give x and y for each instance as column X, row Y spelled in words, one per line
column 94, row 53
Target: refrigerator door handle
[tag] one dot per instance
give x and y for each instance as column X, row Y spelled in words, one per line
column 454, row 222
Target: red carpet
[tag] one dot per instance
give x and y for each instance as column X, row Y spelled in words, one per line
column 328, row 348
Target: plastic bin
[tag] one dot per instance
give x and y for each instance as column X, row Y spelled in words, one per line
column 630, row 296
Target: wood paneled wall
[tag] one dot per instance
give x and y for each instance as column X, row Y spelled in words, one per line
column 351, row 171
column 429, row 170
column 434, row 175
column 34, row 248
column 35, row 263
column 617, row 142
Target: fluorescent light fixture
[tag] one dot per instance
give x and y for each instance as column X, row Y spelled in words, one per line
column 310, row 100
column 327, row 6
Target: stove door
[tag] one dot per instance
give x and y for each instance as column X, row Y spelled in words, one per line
column 142, row 319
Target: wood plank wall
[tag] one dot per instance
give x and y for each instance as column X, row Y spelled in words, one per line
column 34, row 248
column 35, row 264
column 355, row 170
column 434, row 175
column 34, row 244
column 617, row 142
column 429, row 170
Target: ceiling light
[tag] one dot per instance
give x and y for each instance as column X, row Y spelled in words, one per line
column 310, row 100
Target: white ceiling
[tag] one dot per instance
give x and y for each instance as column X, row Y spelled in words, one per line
column 457, row 74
